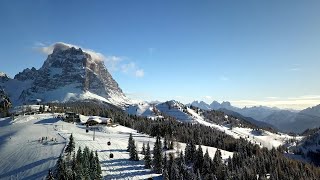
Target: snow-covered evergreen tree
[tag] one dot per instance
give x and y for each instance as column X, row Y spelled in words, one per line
column 157, row 155
column 174, row 173
column 143, row 149
column 99, row 171
column 71, row 145
column 130, row 143
column 50, row 175
column 147, row 157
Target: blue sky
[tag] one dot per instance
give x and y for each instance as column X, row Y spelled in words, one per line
column 247, row 52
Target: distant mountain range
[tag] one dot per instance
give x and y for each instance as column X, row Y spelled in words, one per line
column 284, row 120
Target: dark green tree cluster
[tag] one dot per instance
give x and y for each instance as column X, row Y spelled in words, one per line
column 77, row 165
column 132, row 149
column 263, row 164
column 5, row 104
column 248, row 161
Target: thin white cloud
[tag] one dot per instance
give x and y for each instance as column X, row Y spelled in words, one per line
column 139, row 73
column 297, row 103
column 224, row 78
column 131, row 68
column 295, row 69
column 208, row 97
column 151, row 50
column 113, row 63
column 126, row 68
column 272, row 97
column 39, row 44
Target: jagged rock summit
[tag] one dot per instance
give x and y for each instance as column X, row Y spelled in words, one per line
column 69, row 73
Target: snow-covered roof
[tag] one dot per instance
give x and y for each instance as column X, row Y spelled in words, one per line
column 98, row 119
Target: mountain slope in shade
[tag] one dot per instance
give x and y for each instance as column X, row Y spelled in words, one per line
column 309, row 146
column 175, row 109
column 259, row 124
column 313, row 111
column 255, row 112
column 201, row 105
column 289, row 121
column 281, row 119
column 69, row 73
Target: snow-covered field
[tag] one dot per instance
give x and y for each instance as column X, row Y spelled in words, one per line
column 24, row 157
column 263, row 138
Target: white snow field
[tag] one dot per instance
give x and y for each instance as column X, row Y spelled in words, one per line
column 24, row 157
column 262, row 137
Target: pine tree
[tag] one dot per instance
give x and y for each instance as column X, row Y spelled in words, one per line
column 99, row 171
column 199, row 175
column 79, row 157
column 78, row 172
column 217, row 164
column 165, row 143
column 50, row 175
column 143, row 149
column 182, row 164
column 73, row 162
column 71, row 145
column 174, row 173
column 86, row 163
column 165, row 175
column 199, row 158
column 147, row 157
column 206, row 165
column 93, row 168
column 157, row 156
column 136, row 155
column 61, row 169
column 130, row 143
column 132, row 152
column 190, row 152
column 165, row 162
column 40, row 109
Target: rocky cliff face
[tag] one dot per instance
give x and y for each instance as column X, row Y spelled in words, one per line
column 69, row 73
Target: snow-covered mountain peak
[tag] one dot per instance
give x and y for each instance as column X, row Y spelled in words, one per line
column 69, row 73
column 201, row 105
column 4, row 76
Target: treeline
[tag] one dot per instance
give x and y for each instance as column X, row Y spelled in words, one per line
column 173, row 130
column 248, row 160
column 87, row 108
column 261, row 165
column 5, row 104
column 80, row 165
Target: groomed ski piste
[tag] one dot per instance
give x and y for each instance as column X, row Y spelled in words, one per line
column 262, row 138
column 24, row 155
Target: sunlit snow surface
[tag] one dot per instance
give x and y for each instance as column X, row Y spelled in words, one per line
column 24, row 157
column 263, row 138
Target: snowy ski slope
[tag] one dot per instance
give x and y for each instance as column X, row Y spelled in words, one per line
column 24, row 157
